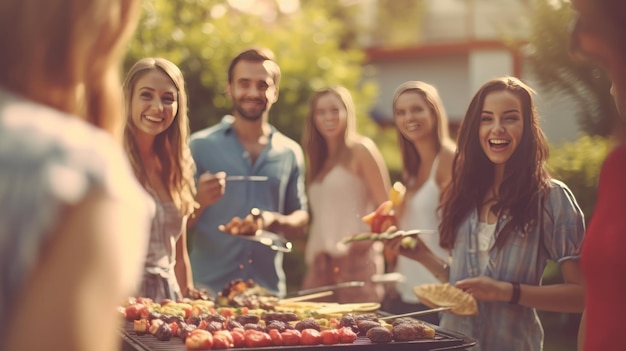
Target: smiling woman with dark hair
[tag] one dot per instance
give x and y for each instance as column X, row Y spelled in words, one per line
column 503, row 217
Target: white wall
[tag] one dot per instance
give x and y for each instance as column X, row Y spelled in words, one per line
column 558, row 114
column 488, row 64
column 457, row 77
column 447, row 74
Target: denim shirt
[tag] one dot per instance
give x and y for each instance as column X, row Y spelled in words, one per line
column 50, row 161
column 217, row 258
column 559, row 237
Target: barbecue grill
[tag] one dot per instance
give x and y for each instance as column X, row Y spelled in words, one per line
column 444, row 340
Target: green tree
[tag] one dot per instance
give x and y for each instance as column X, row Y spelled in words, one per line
column 549, row 60
column 202, row 36
column 578, row 165
column 397, row 22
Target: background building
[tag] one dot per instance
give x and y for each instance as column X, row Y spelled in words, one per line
column 460, row 44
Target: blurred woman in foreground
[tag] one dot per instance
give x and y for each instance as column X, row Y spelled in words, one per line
column 74, row 220
column 598, row 35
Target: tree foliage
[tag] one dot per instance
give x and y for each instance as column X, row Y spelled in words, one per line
column 397, row 22
column 549, row 60
column 202, row 36
column 578, row 165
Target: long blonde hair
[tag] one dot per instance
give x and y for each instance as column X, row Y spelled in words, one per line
column 67, row 54
column 313, row 143
column 410, row 157
column 170, row 146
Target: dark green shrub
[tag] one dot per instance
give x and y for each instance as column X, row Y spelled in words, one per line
column 578, row 164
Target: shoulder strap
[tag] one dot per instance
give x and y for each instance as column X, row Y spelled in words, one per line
column 433, row 169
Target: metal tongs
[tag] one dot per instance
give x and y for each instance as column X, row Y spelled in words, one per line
column 271, row 240
column 262, row 236
column 417, row 313
column 355, row 283
column 267, row 238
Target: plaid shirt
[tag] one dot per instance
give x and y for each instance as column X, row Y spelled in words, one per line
column 523, row 259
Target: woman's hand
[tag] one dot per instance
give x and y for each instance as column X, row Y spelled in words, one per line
column 359, row 248
column 486, row 289
column 417, row 253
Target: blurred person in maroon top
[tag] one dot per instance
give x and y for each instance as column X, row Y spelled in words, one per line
column 598, row 35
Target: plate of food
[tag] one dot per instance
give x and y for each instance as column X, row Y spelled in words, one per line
column 251, row 228
column 446, row 295
column 391, row 233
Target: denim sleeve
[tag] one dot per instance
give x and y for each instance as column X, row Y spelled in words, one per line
column 563, row 223
column 295, row 196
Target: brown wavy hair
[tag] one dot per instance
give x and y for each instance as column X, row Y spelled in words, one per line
column 171, row 145
column 525, row 180
column 67, row 54
column 313, row 143
column 410, row 157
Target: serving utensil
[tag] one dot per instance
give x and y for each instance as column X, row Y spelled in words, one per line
column 270, row 239
column 388, row 235
column 250, row 178
column 354, row 283
column 267, row 238
column 417, row 313
column 393, row 277
column 362, row 307
column 307, row 297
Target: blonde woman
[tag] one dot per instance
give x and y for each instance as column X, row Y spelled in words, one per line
column 74, row 221
column 156, row 134
column 427, row 153
column 346, row 178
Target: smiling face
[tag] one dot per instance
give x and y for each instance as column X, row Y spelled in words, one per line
column 413, row 116
column 330, row 116
column 154, row 103
column 252, row 90
column 501, row 126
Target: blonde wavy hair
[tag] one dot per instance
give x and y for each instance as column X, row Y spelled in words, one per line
column 410, row 157
column 170, row 146
column 67, row 54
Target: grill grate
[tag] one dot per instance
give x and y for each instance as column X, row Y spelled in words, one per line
column 443, row 340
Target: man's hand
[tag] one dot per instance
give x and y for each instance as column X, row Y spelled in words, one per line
column 211, row 188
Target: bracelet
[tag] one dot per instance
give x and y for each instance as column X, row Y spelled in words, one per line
column 516, row 293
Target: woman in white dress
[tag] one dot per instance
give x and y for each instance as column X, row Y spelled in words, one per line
column 427, row 154
column 346, row 179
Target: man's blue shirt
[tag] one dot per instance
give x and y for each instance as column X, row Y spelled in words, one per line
column 216, row 257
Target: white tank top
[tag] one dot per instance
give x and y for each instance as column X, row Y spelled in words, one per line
column 420, row 213
column 337, row 204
